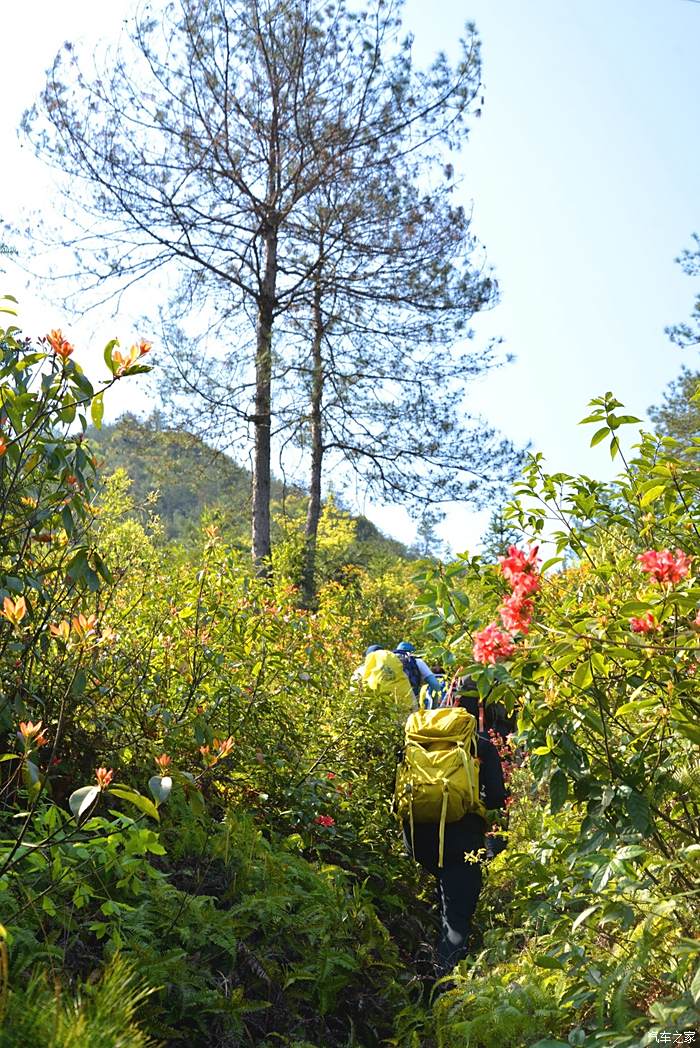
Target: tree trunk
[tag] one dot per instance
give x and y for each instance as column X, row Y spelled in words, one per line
column 313, row 514
column 261, row 542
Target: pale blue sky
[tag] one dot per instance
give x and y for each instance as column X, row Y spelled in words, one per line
column 584, row 173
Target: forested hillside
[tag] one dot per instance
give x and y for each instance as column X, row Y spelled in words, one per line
column 179, row 478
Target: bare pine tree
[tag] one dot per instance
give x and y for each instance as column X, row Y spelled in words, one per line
column 203, row 141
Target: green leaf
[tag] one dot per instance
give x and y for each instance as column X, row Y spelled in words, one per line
column 685, row 727
column 77, row 567
column 100, row 567
column 627, row 420
column 631, row 851
column 144, row 804
column 695, row 987
column 638, row 808
column 80, row 801
column 599, row 664
column 635, row 607
column 543, row 960
column 614, row 447
column 637, row 706
column 652, row 494
column 601, row 878
column 583, row 675
column 565, row 660
column 31, row 775
column 160, row 786
column 691, row 853
column 97, row 410
column 600, row 434
column 558, row 790
column 112, row 344
column 83, row 383
column 139, row 369
column 584, row 915
column 67, row 521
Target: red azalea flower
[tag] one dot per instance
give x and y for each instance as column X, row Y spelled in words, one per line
column 491, row 644
column 516, row 612
column 324, row 820
column 646, row 624
column 664, row 566
column 517, row 562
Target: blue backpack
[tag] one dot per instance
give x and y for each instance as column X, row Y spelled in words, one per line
column 410, row 668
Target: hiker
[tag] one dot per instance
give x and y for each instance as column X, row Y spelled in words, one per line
column 382, row 672
column 494, row 725
column 452, row 851
column 420, row 676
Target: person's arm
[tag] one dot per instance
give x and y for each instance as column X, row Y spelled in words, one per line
column 433, row 682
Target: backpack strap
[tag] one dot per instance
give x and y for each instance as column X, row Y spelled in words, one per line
column 468, row 769
column 443, row 819
column 410, row 820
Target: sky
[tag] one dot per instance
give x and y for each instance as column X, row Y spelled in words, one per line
column 582, row 174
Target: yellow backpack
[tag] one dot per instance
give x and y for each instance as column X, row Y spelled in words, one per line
column 438, row 779
column 383, row 673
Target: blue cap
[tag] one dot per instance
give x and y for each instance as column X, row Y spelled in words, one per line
column 371, row 648
column 405, row 645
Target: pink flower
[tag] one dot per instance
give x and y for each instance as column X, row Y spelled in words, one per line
column 646, row 624
column 517, row 563
column 664, row 566
column 696, row 620
column 330, row 775
column 516, row 612
column 491, row 644
column 324, row 820
column 525, row 585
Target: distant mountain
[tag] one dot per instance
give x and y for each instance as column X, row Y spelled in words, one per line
column 190, row 477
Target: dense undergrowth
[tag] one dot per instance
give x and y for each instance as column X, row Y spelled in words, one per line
column 196, row 838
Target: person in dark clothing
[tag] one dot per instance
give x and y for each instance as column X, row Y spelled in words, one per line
column 459, row 879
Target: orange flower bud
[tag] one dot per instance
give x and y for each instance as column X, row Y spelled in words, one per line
column 103, row 777
column 62, row 630
column 224, row 747
column 28, row 730
column 14, row 610
column 83, row 625
column 59, row 344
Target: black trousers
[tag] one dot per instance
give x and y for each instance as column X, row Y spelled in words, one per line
column 459, row 880
column 458, row 886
